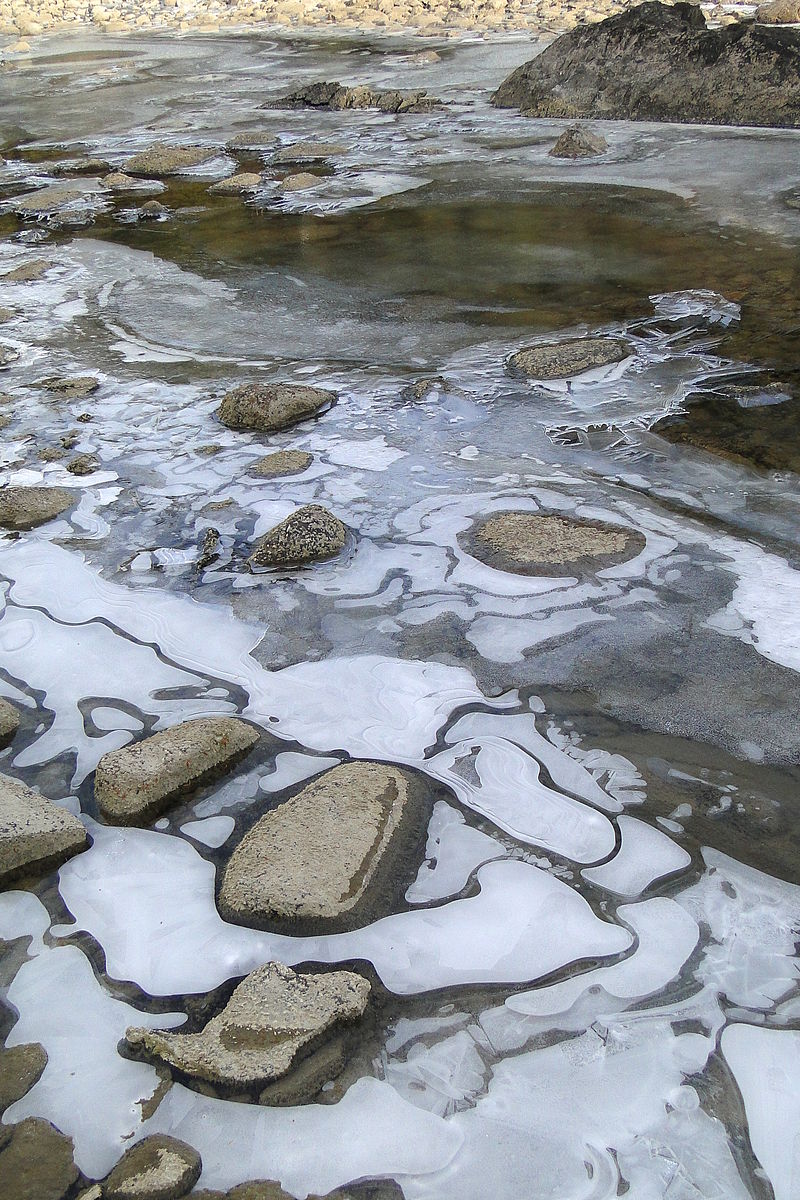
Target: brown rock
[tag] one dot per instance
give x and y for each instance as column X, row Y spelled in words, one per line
column 28, row 272
column 35, row 834
column 9, row 722
column 76, row 387
column 563, row 360
column 26, row 507
column 579, row 142
column 779, row 12
column 20, row 1068
column 538, row 543
column 37, row 1163
column 157, row 1168
column 160, row 159
column 282, row 462
column 235, row 185
column 308, row 535
column 265, row 407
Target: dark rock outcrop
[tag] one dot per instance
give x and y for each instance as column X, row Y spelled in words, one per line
column 662, row 63
column 324, row 94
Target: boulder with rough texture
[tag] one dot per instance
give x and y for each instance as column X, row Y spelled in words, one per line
column 779, row 12
column 308, row 535
column 531, row 543
column 37, row 1163
column 157, row 1168
column 118, row 181
column 9, row 722
column 271, row 1016
column 134, row 784
column 83, row 464
column 28, row 272
column 299, row 182
column 264, row 407
column 564, row 360
column 280, row 463
column 70, row 387
column 20, row 1068
column 236, row 185
column 26, row 507
column 579, row 142
column 159, row 159
column 318, row 856
column 333, row 95
column 35, row 834
column 309, row 152
column 661, row 62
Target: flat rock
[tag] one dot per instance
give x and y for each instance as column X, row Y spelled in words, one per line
column 271, row 1016
column 320, row 856
column 281, row 462
column 134, row 784
column 20, row 1068
column 75, row 387
column 159, row 159
column 28, row 272
column 265, row 407
column 26, row 507
column 37, row 1163
column 35, row 834
column 259, row 1189
column 309, row 534
column 236, row 185
column 537, row 543
column 157, row 1168
column 81, row 166
column 779, row 12
column 119, row 181
column 334, row 95
column 300, row 182
column 8, row 355
column 563, row 360
column 579, row 142
column 252, row 139
column 309, row 152
column 659, row 62
column 9, row 722
column 47, row 200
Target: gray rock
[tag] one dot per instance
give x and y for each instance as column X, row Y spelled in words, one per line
column 563, row 360
column 48, row 200
column 579, row 142
column 76, row 387
column 265, row 407
column 136, row 783
column 84, row 464
column 324, row 94
column 300, row 182
column 308, row 535
column 28, row 272
column 259, row 1189
column 35, row 834
column 37, row 1163
column 157, row 1168
column 159, row 159
column 9, row 722
column 280, row 463
column 236, row 185
column 271, row 1016
column 152, row 210
column 659, row 62
column 318, row 856
column 80, row 166
column 538, row 543
column 209, row 549
column 20, row 1068
column 309, row 152
column 252, row 139
column 26, row 507
column 8, row 355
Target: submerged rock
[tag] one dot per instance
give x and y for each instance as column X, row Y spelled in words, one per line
column 76, row 387
column 271, row 1016
column 563, row 360
column 28, row 272
column 235, row 185
column 157, row 1168
column 327, row 853
column 9, row 722
column 37, row 1163
column 264, row 407
column 309, row 152
column 134, row 784
column 540, row 544
column 661, row 62
column 579, row 142
column 325, row 94
column 35, row 834
column 26, row 507
column 159, row 159
column 20, row 1068
column 281, row 462
column 152, row 210
column 310, row 534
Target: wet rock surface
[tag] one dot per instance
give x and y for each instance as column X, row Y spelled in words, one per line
column 76, row 387
column 337, row 96
column 662, row 63
column 563, row 360
column 309, row 152
column 579, row 142
column 9, row 722
column 280, row 463
column 37, row 1163
column 236, row 185
column 535, row 543
column 28, row 272
column 24, row 507
column 328, row 854
column 135, row 783
column 20, row 1068
column 160, row 159
column 267, row 407
column 157, row 1168
column 35, row 834
column 308, row 535
column 271, row 1017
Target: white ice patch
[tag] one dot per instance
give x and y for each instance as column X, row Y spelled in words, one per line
column 454, row 850
column 763, row 611
column 212, row 831
column 644, row 856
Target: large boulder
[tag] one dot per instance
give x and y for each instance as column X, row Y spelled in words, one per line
column 264, row 407
column 136, row 783
column 35, row 834
column 307, row 535
column 26, row 507
column 661, row 62
column 328, row 855
column 271, row 1016
column 37, row 1163
column 157, row 1168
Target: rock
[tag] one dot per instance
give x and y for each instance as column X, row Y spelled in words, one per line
column 252, row 139
column 20, row 1068
column 159, row 159
column 579, row 142
column 8, row 355
column 309, row 534
column 324, row 855
column 535, row 543
column 157, row 1168
column 6, row 314
column 209, row 549
column 138, row 782
column 271, row 1016
column 76, row 387
column 51, row 454
column 84, row 464
column 235, row 185
column 660, row 62
column 300, row 182
column 81, row 166
column 9, row 722
column 779, row 12
column 259, row 1189
column 563, row 360
column 152, row 210
column 85, row 418
column 421, row 388
column 281, row 462
column 792, row 198
column 303, row 1082
column 35, row 834
column 26, row 507
column 309, row 152
column 324, row 94
column 28, row 272
column 265, row 407
column 118, row 181
column 37, row 1163
column 48, row 200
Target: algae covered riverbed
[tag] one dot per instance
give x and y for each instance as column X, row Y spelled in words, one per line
column 509, row 790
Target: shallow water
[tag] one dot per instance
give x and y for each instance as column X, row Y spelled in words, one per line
column 596, row 958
